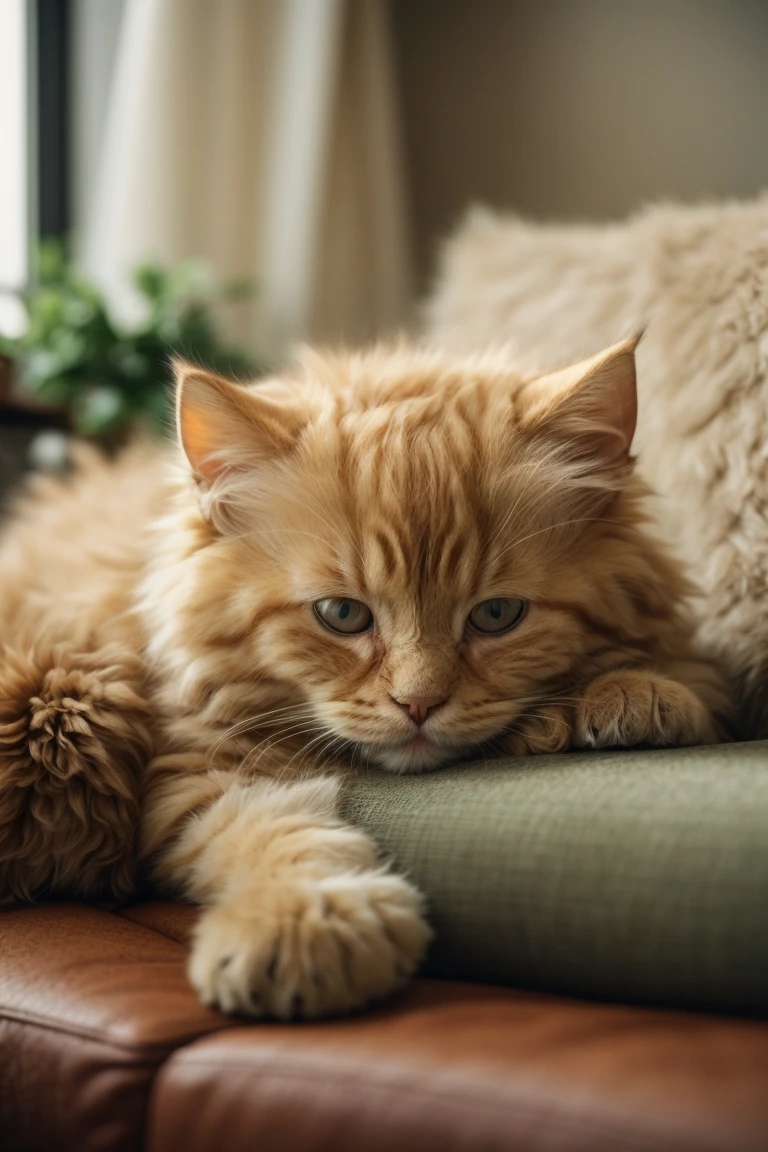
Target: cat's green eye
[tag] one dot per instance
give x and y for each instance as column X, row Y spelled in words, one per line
column 493, row 616
column 343, row 615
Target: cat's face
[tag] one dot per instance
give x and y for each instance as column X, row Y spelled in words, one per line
column 401, row 541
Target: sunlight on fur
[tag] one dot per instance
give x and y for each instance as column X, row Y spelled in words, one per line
column 389, row 559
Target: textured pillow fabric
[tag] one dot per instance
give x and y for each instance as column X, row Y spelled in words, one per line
column 697, row 277
column 627, row 875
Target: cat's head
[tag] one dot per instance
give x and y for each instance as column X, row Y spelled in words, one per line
column 417, row 547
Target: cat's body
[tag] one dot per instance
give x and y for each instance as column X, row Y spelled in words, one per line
column 388, row 558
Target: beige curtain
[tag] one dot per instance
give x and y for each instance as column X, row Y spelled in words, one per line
column 263, row 136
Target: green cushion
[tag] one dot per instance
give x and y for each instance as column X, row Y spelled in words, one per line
column 630, row 875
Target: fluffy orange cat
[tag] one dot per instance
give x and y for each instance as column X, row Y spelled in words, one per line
column 387, row 558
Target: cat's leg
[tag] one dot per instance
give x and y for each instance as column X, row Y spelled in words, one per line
column 300, row 919
column 74, row 738
column 633, row 706
column 626, row 707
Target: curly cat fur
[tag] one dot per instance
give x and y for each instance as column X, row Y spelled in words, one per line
column 421, row 486
column 75, row 720
column 74, row 740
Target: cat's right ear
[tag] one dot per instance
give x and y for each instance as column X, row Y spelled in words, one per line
column 224, row 427
column 591, row 406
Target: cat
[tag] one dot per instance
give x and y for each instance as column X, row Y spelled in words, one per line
column 388, row 558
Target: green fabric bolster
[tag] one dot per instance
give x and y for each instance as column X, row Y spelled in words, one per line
column 626, row 875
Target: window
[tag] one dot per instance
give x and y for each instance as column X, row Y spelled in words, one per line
column 34, row 140
column 14, row 187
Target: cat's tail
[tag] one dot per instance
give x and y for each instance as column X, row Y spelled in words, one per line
column 74, row 737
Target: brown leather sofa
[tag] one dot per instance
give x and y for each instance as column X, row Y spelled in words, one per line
column 103, row 1046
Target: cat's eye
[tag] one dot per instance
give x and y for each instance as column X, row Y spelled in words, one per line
column 343, row 615
column 493, row 616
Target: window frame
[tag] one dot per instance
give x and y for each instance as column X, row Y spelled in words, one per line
column 50, row 107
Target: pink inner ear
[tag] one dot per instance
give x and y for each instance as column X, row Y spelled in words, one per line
column 195, row 441
column 214, row 422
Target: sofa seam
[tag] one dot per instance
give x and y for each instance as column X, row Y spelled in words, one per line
column 150, row 928
column 51, row 1024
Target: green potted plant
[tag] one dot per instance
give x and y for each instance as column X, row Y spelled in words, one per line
column 106, row 377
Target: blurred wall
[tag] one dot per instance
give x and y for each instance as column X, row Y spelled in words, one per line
column 578, row 108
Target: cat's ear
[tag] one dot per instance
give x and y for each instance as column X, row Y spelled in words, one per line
column 592, row 405
column 223, row 426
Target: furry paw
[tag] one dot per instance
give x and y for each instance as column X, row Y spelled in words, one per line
column 548, row 729
column 633, row 707
column 311, row 947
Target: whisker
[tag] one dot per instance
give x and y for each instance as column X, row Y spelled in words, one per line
column 272, row 741
column 523, row 495
column 277, row 714
column 335, row 743
column 552, row 527
column 303, row 750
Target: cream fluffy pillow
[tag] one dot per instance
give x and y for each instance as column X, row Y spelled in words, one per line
column 697, row 277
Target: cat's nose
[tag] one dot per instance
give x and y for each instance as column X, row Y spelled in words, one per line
column 419, row 707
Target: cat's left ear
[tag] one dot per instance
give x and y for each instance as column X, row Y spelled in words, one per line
column 591, row 405
column 224, row 426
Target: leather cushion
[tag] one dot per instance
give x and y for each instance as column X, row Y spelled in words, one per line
column 459, row 1068
column 90, row 1005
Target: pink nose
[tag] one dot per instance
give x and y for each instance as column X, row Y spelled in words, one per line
column 419, row 707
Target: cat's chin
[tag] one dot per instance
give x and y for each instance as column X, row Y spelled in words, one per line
column 419, row 755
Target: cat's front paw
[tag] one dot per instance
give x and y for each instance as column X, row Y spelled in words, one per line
column 546, row 728
column 311, row 947
column 629, row 707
